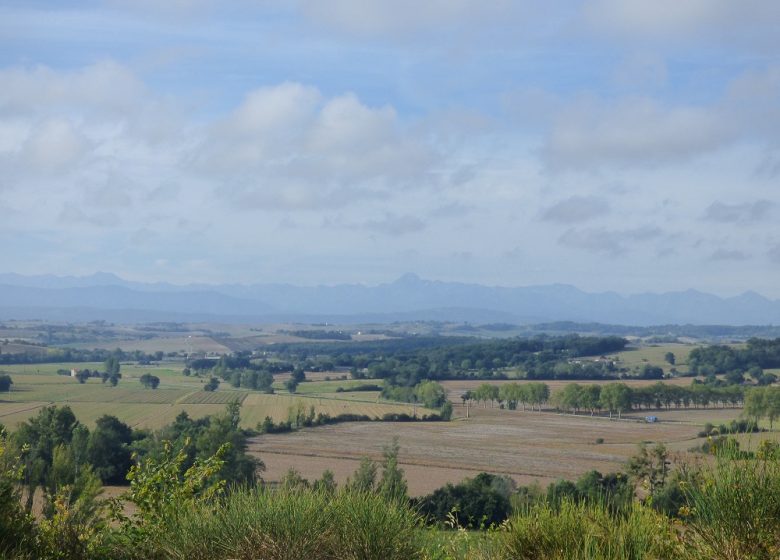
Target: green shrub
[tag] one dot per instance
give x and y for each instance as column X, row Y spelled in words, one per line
column 292, row 524
column 734, row 509
column 579, row 532
column 17, row 532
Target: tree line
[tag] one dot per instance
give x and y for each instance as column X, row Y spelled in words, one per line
column 614, row 398
column 759, row 354
column 70, row 355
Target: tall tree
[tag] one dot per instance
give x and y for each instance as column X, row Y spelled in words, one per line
column 364, row 478
column 109, row 449
column 392, row 484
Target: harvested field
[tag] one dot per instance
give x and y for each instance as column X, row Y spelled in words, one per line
column 528, row 446
column 214, row 397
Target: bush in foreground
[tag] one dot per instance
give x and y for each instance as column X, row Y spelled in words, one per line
column 576, row 531
column 287, row 525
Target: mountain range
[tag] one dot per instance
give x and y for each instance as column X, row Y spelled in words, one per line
column 108, row 297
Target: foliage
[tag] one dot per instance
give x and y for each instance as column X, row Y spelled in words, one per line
column 75, row 527
column 40, row 436
column 291, row 384
column 162, row 489
column 760, row 353
column 406, row 361
column 16, row 526
column 291, row 524
column 734, row 509
column 149, row 381
column 5, row 382
column 763, row 402
column 108, row 449
column 475, row 503
column 211, row 385
column 392, row 485
column 611, row 491
column 619, row 397
column 364, row 478
column 576, row 531
column 650, row 467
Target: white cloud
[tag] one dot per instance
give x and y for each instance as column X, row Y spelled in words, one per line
column 634, row 131
column 52, row 145
column 102, row 87
column 288, row 146
column 748, row 20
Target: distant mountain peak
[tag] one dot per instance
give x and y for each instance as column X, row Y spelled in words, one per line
column 408, row 279
column 107, row 277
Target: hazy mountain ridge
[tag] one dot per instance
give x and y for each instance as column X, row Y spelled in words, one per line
column 406, row 298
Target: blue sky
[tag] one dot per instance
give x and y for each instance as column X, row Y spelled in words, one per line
column 613, row 144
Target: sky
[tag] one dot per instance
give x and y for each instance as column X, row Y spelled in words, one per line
column 617, row 145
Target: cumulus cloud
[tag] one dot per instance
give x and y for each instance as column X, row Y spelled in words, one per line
column 576, row 209
column 288, row 146
column 52, row 145
column 605, row 241
column 106, row 87
column 745, row 213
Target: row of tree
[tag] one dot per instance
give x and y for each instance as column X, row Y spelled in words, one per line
column 510, row 394
column 430, row 394
column 53, row 355
column 614, row 398
column 619, row 397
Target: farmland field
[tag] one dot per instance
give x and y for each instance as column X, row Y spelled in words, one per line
column 39, row 385
column 257, row 406
column 528, row 446
column 654, row 355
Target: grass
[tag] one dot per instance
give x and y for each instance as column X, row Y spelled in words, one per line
column 37, row 385
column 655, row 356
column 288, row 525
column 579, row 531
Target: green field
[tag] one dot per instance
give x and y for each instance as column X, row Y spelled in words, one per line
column 39, row 385
column 635, row 358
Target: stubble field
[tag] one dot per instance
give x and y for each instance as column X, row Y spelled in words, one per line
column 528, row 446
